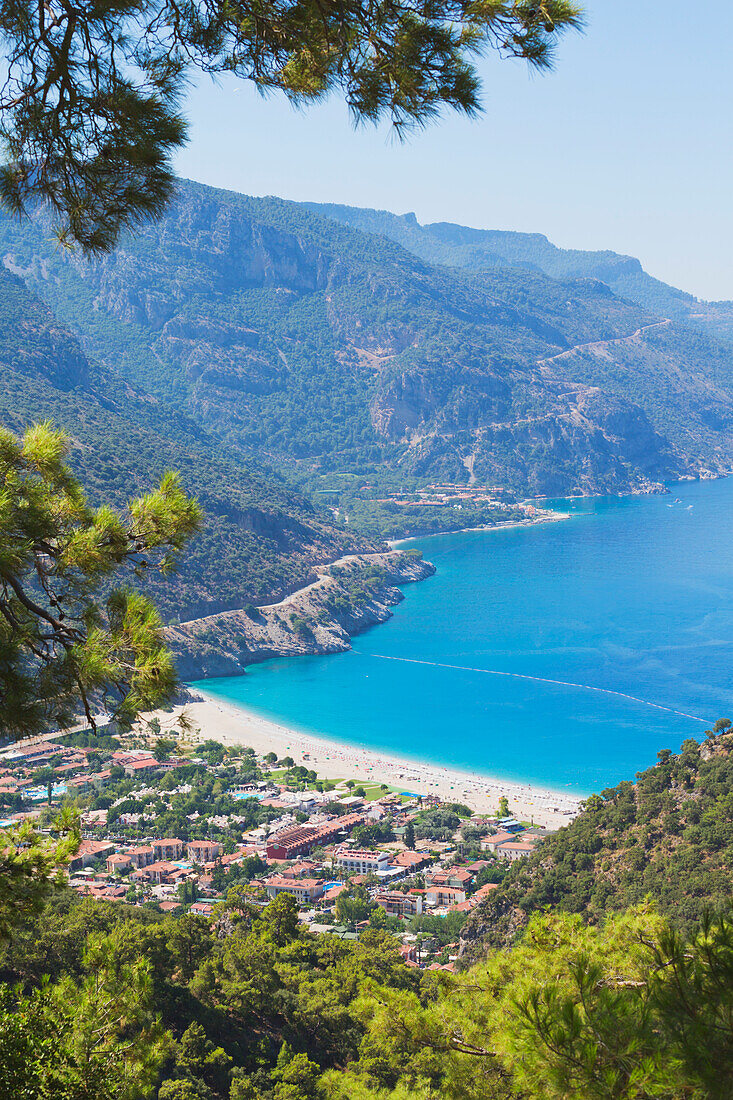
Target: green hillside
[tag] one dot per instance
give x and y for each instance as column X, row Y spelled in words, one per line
column 331, row 353
column 260, row 536
column 667, row 837
column 480, row 249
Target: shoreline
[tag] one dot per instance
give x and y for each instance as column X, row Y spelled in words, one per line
column 553, row 518
column 230, row 723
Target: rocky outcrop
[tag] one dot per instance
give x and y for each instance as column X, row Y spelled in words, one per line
column 324, row 350
column 346, row 597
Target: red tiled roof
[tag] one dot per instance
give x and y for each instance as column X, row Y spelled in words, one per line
column 93, row 848
column 292, row 883
column 484, row 891
column 499, row 838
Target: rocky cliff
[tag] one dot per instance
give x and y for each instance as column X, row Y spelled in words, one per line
column 328, row 351
column 261, row 536
column 344, row 599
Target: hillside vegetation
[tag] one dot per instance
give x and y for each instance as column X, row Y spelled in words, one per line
column 481, row 249
column 109, row 1000
column 668, row 837
column 260, row 537
column 330, row 352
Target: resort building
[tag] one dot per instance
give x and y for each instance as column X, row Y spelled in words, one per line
column 452, row 876
column 491, row 843
column 515, row 849
column 412, row 861
column 118, row 862
column 168, row 849
column 305, row 868
column 89, row 851
column 299, row 840
column 305, row 890
column 202, row 909
column 141, row 857
column 361, row 861
column 291, row 842
column 203, row 851
column 483, row 892
column 398, row 904
column 437, row 897
column 164, row 871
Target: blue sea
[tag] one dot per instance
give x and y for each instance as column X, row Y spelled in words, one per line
column 518, row 658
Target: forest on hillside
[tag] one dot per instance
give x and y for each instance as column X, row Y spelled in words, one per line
column 599, row 995
column 327, row 352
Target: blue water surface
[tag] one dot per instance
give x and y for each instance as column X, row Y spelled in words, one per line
column 630, row 595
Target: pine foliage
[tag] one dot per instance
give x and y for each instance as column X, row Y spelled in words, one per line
column 69, row 639
column 89, row 110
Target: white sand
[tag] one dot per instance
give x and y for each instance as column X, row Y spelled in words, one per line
column 546, row 517
column 334, row 760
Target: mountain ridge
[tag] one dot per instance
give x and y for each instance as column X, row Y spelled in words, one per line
column 467, row 247
column 337, row 356
column 261, row 537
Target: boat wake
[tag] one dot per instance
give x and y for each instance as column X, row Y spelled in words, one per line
column 540, row 680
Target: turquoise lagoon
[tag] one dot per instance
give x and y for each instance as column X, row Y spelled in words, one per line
column 633, row 596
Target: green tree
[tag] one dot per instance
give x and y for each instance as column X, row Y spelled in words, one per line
column 202, row 1062
column 409, row 835
column 187, row 891
column 628, row 1009
column 68, row 641
column 189, row 942
column 32, row 867
column 164, row 746
column 281, row 918
column 503, row 810
column 185, row 1088
column 72, row 1040
column 89, row 111
column 354, row 905
column 297, row 1077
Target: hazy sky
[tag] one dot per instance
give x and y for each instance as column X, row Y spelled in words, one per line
column 626, row 145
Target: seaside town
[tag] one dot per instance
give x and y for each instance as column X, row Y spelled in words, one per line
column 176, row 823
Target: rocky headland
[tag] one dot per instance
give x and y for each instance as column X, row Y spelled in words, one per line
column 344, row 599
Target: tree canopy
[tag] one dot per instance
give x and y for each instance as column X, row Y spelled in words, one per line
column 70, row 640
column 90, row 106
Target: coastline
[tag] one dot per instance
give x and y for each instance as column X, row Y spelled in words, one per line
column 347, row 597
column 548, row 517
column 233, row 724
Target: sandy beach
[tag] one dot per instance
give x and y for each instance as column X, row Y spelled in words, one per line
column 547, row 517
column 334, row 760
